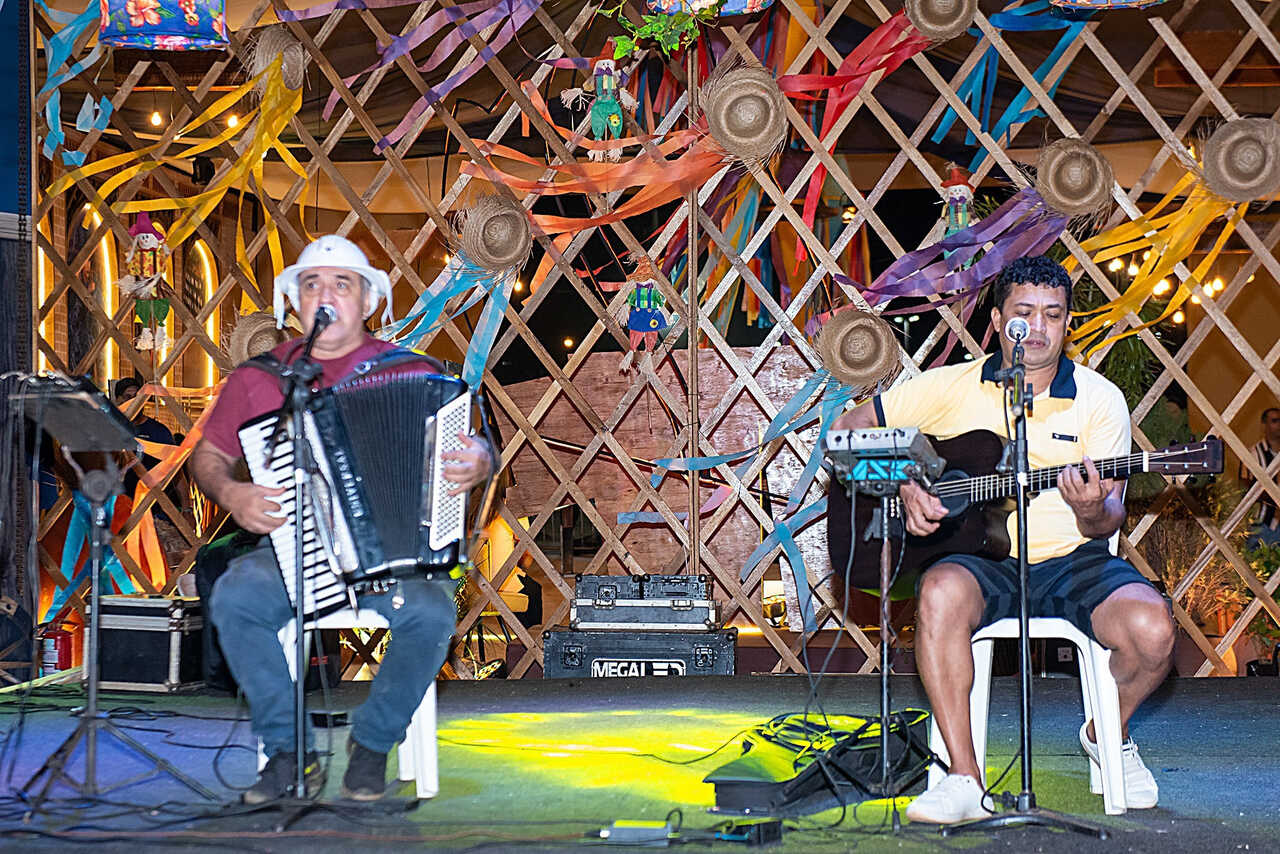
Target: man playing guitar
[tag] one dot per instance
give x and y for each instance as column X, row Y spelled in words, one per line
column 1077, row 415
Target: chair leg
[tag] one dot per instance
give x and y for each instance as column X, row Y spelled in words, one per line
column 1089, row 696
column 1107, row 729
column 286, row 636
column 425, row 760
column 980, row 702
column 979, row 697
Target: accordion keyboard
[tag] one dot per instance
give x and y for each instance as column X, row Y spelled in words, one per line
column 448, row 512
column 324, row 591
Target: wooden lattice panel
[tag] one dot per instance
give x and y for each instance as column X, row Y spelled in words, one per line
column 583, row 435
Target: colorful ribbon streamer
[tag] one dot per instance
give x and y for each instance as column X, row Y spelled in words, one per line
column 1023, row 225
column 978, row 88
column 273, row 114
column 884, row 49
column 426, row 316
column 58, row 49
column 78, row 530
column 517, row 14
column 1171, row 238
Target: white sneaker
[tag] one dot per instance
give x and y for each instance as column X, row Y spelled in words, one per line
column 1140, row 789
column 956, row 797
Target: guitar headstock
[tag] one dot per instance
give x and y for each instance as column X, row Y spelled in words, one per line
column 1203, row 457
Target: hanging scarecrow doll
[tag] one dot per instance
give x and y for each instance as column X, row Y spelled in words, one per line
column 645, row 317
column 145, row 262
column 606, row 108
column 959, row 195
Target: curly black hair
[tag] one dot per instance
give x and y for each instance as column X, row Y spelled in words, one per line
column 1036, row 270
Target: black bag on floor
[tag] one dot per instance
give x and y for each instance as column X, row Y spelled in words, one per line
column 211, row 562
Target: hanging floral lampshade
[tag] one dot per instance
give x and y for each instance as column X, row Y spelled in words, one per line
column 1105, row 4
column 164, row 24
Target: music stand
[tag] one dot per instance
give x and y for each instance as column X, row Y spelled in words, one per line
column 881, row 460
column 81, row 418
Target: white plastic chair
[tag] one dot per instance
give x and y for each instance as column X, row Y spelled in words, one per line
column 1101, row 704
column 417, row 753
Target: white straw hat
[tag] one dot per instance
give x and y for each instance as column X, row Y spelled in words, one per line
column 332, row 250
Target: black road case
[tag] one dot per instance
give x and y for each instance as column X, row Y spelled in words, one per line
column 643, row 603
column 150, row 643
column 575, row 654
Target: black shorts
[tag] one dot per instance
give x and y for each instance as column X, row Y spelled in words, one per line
column 1069, row 587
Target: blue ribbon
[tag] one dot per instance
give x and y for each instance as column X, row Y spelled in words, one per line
column 978, row 88
column 58, row 49
column 426, row 315
column 783, row 534
column 77, row 536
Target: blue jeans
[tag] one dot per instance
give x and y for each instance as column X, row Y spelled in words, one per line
column 250, row 605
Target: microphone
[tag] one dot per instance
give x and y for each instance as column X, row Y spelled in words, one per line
column 325, row 315
column 1017, row 329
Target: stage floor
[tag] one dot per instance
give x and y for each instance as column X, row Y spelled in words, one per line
column 534, row 765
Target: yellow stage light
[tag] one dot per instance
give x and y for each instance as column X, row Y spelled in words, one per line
column 1178, row 316
column 1133, row 269
column 233, row 120
column 156, row 119
column 1116, row 265
column 1195, row 299
column 519, row 286
column 1218, row 284
column 1162, row 287
column 1146, row 254
column 568, row 342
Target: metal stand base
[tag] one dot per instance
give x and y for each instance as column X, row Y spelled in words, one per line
column 55, row 767
column 1028, row 816
column 98, row 486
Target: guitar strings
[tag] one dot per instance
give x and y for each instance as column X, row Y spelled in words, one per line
column 1047, row 476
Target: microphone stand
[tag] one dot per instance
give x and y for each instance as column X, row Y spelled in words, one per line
column 296, row 379
column 1019, row 399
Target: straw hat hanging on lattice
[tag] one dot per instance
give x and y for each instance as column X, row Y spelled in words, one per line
column 745, row 112
column 858, row 348
column 1074, row 179
column 278, row 41
column 941, row 20
column 253, row 335
column 1242, row 160
column 494, row 234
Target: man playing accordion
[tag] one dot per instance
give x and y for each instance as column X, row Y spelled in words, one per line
column 250, row 603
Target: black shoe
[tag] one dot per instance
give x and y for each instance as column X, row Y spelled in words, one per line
column 276, row 780
column 366, row 777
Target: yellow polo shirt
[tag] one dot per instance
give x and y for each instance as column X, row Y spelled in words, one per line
column 1082, row 413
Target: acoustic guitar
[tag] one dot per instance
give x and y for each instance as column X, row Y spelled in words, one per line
column 978, row 499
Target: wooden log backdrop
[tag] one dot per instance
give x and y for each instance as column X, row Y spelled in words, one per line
column 1147, row 88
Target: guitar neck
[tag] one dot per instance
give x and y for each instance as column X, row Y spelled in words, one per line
column 987, row 487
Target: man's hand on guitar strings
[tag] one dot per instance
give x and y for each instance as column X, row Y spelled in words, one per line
column 1086, row 496
column 468, row 466
column 922, row 509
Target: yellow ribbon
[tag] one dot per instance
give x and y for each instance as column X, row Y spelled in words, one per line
column 276, row 110
column 1171, row 238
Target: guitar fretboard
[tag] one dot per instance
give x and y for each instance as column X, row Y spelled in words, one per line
column 991, row 486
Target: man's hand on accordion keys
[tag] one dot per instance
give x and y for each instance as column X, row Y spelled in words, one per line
column 255, row 507
column 468, row 466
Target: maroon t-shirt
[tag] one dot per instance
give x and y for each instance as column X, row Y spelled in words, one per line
column 250, row 392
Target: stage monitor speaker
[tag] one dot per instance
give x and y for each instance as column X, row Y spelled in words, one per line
column 795, row 766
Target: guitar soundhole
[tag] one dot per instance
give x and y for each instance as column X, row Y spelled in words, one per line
column 956, row 502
